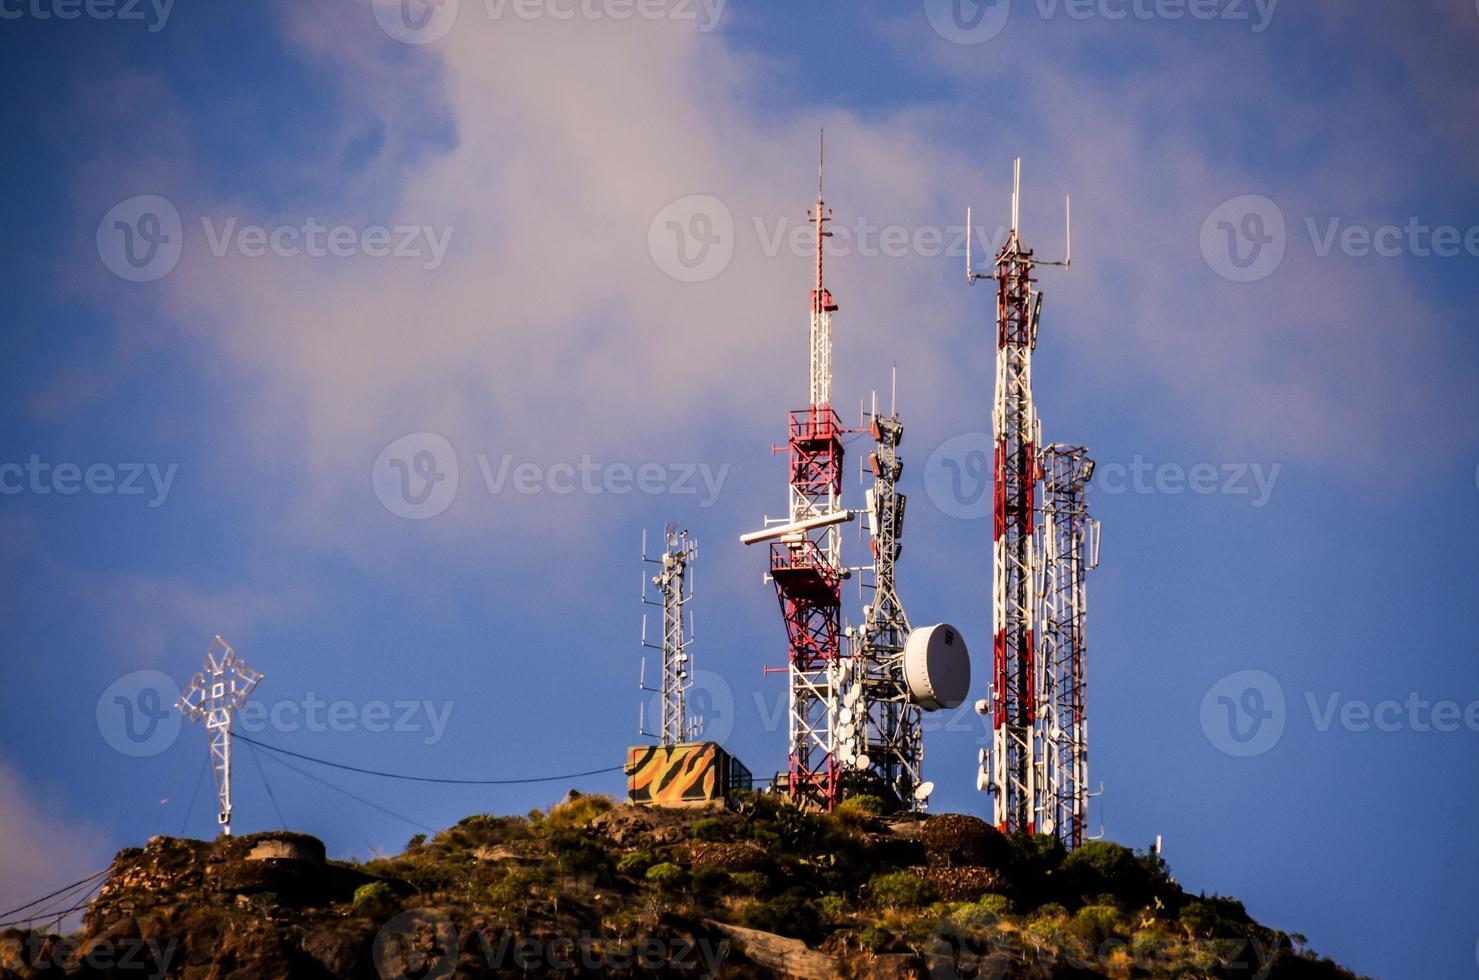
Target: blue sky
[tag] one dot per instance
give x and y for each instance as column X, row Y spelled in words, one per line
column 525, row 166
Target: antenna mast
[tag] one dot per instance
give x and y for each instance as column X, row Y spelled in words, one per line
column 675, row 589
column 806, row 558
column 215, row 693
column 1016, row 768
column 1070, row 549
column 880, row 725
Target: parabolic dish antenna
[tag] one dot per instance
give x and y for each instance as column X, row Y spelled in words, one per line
column 937, row 667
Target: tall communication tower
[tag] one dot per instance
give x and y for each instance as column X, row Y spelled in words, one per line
column 1070, row 549
column 806, row 558
column 880, row 724
column 1010, row 769
column 674, row 582
column 215, row 693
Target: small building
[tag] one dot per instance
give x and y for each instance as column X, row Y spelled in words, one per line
column 687, row 774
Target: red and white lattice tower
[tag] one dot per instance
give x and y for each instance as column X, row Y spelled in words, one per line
column 806, row 561
column 1010, row 769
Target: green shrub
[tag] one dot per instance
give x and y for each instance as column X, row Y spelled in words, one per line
column 900, row 889
column 512, row 889
column 873, row 938
column 1050, row 910
column 750, row 882
column 710, row 880
column 982, row 913
column 789, row 914
column 578, row 811
column 709, row 828
column 377, row 900
column 635, row 863
column 578, row 853
column 865, row 805
column 667, row 876
column 415, row 842
column 1095, row 923
column 834, row 907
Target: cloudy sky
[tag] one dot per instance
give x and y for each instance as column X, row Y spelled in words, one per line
column 372, row 336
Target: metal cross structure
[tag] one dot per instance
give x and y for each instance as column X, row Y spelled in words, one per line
column 215, row 693
column 806, row 560
column 1010, row 769
column 1070, row 550
column 880, row 725
column 674, row 584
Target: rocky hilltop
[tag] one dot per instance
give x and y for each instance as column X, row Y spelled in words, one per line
column 591, row 888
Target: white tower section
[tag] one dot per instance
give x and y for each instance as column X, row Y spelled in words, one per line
column 215, row 694
column 674, row 583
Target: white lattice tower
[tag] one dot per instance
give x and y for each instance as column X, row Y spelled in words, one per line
column 214, row 695
column 674, row 584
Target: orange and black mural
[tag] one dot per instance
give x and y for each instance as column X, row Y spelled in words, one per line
column 679, row 775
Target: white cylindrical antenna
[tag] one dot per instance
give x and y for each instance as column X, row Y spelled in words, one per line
column 1016, row 192
column 970, row 272
column 1068, row 229
column 797, row 527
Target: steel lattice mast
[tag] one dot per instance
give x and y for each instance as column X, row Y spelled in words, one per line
column 884, row 724
column 1070, row 550
column 1009, row 769
column 806, row 561
column 674, row 584
column 215, row 693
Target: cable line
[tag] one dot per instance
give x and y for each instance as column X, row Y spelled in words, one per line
column 430, row 779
